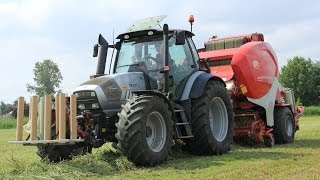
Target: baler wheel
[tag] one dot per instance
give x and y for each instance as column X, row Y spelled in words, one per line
column 212, row 121
column 268, row 141
column 145, row 130
column 284, row 126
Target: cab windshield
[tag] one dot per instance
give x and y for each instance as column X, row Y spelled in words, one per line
column 146, row 54
column 143, row 52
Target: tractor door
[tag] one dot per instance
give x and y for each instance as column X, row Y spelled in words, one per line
column 183, row 64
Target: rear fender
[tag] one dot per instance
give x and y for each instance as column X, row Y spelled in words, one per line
column 197, row 83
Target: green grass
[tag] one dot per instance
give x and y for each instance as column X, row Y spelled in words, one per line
column 300, row 160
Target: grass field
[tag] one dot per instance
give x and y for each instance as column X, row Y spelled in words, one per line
column 300, row 160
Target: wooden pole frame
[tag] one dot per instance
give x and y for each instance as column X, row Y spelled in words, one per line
column 57, row 113
column 41, row 132
column 73, row 117
column 20, row 115
column 41, row 118
column 47, row 117
column 62, row 116
column 33, row 117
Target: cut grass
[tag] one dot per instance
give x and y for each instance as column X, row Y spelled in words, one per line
column 299, row 160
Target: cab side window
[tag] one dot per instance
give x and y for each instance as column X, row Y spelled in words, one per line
column 181, row 61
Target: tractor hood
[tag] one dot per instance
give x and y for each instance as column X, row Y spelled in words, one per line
column 112, row 88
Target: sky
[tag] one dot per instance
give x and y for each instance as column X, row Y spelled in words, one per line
column 66, row 31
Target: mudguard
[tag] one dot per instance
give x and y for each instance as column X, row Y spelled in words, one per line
column 196, row 84
column 154, row 93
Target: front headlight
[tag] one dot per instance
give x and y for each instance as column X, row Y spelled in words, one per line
column 95, row 106
column 81, row 106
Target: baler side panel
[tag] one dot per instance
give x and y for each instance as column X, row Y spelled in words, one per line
column 255, row 67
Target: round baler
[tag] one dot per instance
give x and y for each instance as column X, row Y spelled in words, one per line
column 264, row 110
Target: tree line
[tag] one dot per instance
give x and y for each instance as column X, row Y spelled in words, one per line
column 303, row 76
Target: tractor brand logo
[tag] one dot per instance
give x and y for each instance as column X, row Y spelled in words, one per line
column 256, row 64
column 133, row 85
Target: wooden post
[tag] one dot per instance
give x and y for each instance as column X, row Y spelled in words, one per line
column 30, row 113
column 41, row 117
column 73, row 117
column 33, row 117
column 20, row 114
column 62, row 116
column 57, row 113
column 47, row 117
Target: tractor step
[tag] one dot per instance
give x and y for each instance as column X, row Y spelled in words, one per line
column 184, row 123
column 185, row 137
column 178, row 110
column 183, row 128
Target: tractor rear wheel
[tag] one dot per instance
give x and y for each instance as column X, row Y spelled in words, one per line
column 284, row 127
column 212, row 121
column 145, row 130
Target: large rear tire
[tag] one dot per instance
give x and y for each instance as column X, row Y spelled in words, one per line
column 145, row 130
column 284, row 127
column 212, row 121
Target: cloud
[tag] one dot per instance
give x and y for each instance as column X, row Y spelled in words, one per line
column 31, row 14
column 296, row 39
column 65, row 31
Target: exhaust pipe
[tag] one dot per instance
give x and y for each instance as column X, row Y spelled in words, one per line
column 102, row 55
column 166, row 57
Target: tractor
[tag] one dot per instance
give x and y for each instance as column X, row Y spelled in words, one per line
column 154, row 93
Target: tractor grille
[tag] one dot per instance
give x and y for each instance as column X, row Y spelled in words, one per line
column 87, row 100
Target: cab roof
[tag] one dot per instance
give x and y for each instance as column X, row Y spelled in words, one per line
column 150, row 32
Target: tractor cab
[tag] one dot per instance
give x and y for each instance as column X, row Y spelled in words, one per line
column 144, row 51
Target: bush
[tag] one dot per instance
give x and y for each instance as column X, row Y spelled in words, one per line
column 312, row 111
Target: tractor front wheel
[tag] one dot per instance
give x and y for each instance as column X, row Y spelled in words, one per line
column 145, row 130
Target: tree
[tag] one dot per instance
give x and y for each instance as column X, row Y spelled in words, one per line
column 47, row 77
column 14, row 109
column 303, row 76
column 3, row 108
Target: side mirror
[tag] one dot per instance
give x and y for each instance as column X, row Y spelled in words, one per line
column 118, row 45
column 95, row 50
column 180, row 37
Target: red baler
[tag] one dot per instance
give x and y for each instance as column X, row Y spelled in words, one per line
column 264, row 110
